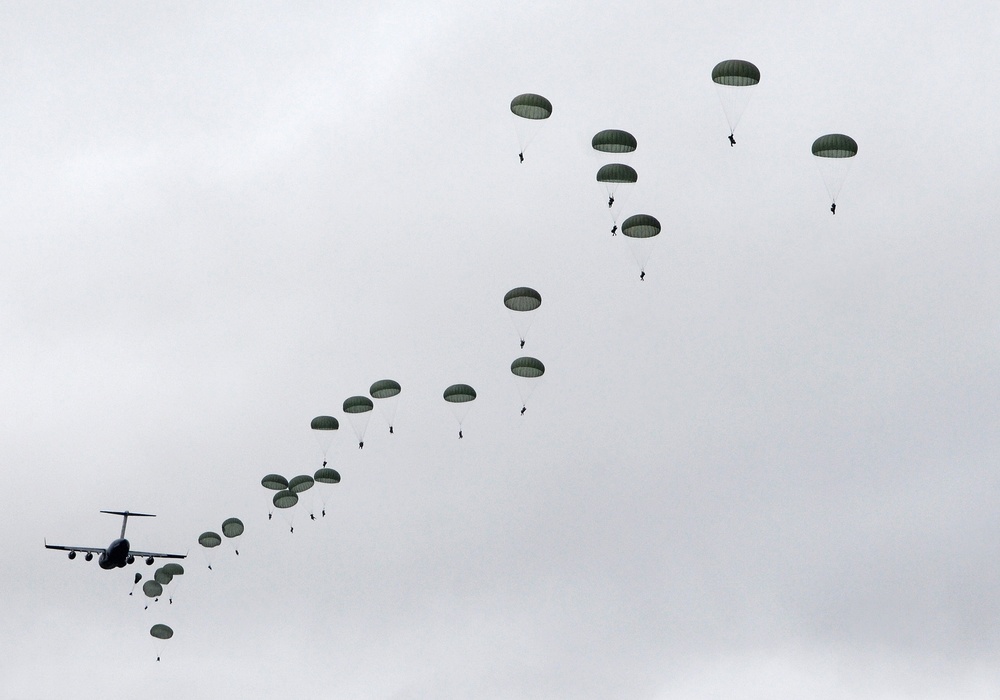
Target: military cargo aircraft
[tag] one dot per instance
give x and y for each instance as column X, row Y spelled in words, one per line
column 117, row 554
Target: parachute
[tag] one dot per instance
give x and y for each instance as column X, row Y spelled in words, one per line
column 611, row 177
column 161, row 632
column 641, row 226
column 641, row 230
column 285, row 499
column 209, row 540
column 613, row 141
column 162, row 577
column 519, row 301
column 835, row 146
column 324, row 423
column 275, row 482
column 386, row 392
column 834, row 156
column 531, row 106
column 358, row 410
column 460, row 396
column 526, row 370
column 232, row 527
column 735, row 73
column 172, row 570
column 617, row 174
column 323, row 428
column 530, row 110
column 527, row 367
column 300, row 483
column 459, row 393
column 152, row 589
column 522, row 299
column 325, row 476
column 733, row 81
column 384, row 389
column 166, row 574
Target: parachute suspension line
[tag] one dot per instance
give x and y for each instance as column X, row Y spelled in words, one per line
column 528, row 110
column 521, row 304
column 734, row 80
column 641, row 231
column 834, row 154
column 833, row 172
column 460, row 397
column 524, row 141
column 526, row 372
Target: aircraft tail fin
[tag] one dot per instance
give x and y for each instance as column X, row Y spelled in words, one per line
column 125, row 514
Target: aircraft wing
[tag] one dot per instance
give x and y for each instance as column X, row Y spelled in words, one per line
column 157, row 555
column 95, row 550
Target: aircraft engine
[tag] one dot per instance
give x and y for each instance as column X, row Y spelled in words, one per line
column 88, row 556
column 149, row 561
column 72, row 555
column 129, row 559
column 103, row 561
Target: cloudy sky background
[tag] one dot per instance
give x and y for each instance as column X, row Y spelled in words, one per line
column 766, row 471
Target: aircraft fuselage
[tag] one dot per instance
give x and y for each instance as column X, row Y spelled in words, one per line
column 116, row 555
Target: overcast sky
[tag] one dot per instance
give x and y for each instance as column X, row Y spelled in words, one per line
column 766, row 471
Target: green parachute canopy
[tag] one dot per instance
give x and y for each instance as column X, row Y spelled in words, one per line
column 152, row 589
column 834, row 156
column 613, row 141
column 161, row 632
column 386, row 392
column 162, row 576
column 300, row 483
column 324, row 423
column 173, row 569
column 358, row 410
column 285, row 499
column 209, row 539
column 531, row 106
column 384, row 389
column 324, row 428
column 232, row 527
column 459, row 393
column 275, row 482
column 617, row 173
column 641, row 226
column 522, row 299
column 835, row 146
column 736, row 73
column 734, row 81
column 358, row 404
column 327, row 476
column 527, row 367
column 519, row 301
